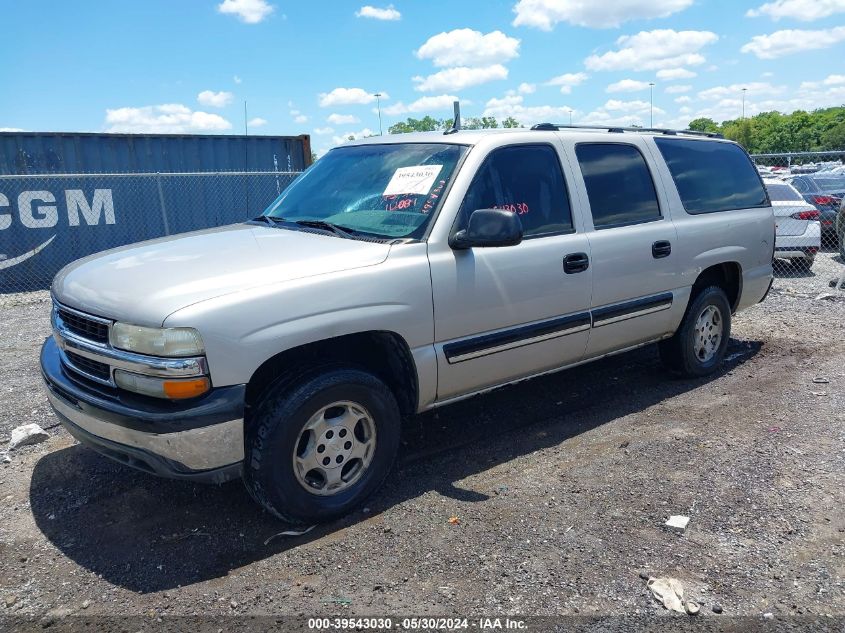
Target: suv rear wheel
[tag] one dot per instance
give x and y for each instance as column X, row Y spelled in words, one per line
column 699, row 345
column 320, row 445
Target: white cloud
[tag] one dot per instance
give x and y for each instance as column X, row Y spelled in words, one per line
column 755, row 88
column 257, row 122
column 343, row 138
column 322, row 131
column 388, row 13
column 342, row 119
column 802, row 10
column 465, row 47
column 567, row 81
column 526, row 88
column 782, row 43
column 424, row 104
column 512, row 105
column 616, row 112
column 654, row 50
column 830, row 80
column 670, row 74
column 627, row 85
column 459, row 78
column 212, row 99
column 673, row 90
column 545, row 14
column 237, row 79
column 11, row 129
column 684, row 99
column 249, row 11
column 348, row 96
column 300, row 118
column 168, row 118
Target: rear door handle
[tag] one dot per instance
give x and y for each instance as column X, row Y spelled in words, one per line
column 575, row 263
column 661, row 248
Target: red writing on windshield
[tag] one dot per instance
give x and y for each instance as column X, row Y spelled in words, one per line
column 520, row 208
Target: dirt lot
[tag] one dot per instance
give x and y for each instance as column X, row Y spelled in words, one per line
column 561, row 487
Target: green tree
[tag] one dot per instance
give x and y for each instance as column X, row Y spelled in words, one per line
column 426, row 124
column 510, row 122
column 703, row 124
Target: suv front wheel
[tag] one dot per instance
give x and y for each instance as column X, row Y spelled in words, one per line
column 318, row 446
column 699, row 345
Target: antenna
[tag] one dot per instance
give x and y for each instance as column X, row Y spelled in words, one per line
column 456, row 122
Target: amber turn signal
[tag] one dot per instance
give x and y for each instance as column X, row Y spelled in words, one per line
column 181, row 389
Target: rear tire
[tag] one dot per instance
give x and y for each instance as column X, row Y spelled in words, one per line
column 699, row 345
column 320, row 445
column 841, row 236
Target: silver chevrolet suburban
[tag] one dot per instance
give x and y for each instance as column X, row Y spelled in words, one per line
column 396, row 275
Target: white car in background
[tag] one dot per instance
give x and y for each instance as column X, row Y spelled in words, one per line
column 798, row 235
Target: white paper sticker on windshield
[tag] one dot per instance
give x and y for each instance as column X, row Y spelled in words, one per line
column 412, row 180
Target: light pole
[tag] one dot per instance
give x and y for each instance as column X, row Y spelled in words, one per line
column 378, row 104
column 570, row 117
column 651, row 103
column 743, row 103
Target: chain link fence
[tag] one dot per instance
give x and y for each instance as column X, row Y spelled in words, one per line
column 807, row 190
column 47, row 221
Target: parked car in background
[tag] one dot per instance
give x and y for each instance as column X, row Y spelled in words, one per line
column 840, row 230
column 797, row 229
column 825, row 192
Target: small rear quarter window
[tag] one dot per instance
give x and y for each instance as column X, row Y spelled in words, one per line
column 712, row 176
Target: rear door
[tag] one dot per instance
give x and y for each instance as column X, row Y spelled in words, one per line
column 631, row 245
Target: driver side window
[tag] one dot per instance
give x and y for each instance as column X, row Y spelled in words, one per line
column 527, row 180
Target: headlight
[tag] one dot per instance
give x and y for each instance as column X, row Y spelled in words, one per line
column 170, row 388
column 167, row 342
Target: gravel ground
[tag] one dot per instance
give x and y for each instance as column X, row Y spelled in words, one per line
column 560, row 486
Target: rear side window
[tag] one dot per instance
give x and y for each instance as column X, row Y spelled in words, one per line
column 781, row 192
column 619, row 184
column 525, row 179
column 712, row 176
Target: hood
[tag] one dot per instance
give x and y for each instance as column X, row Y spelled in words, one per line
column 144, row 283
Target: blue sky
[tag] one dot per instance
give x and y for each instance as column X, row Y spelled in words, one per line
column 312, row 67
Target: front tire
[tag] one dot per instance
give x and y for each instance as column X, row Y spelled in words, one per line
column 319, row 446
column 699, row 345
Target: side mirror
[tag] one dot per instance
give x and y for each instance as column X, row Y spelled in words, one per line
column 489, row 227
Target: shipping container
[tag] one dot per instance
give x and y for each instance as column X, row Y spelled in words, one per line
column 77, row 153
column 66, row 196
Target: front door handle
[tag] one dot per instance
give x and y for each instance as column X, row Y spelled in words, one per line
column 575, row 263
column 661, row 248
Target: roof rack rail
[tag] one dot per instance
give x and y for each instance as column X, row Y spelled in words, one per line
column 618, row 130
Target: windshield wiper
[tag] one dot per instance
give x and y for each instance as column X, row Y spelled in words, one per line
column 328, row 226
column 266, row 219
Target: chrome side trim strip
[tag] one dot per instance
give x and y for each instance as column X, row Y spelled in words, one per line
column 632, row 315
column 520, row 343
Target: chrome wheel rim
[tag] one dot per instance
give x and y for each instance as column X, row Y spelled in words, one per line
column 709, row 328
column 334, row 448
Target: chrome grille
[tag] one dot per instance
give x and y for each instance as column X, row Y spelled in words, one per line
column 89, row 366
column 83, row 326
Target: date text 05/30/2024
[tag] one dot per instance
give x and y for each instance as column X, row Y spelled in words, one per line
column 416, row 624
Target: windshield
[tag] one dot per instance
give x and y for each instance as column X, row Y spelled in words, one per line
column 831, row 184
column 389, row 191
column 782, row 192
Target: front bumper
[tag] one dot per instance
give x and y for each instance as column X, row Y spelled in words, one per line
column 200, row 439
